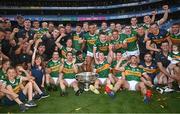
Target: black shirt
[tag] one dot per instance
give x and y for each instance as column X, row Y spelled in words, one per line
column 22, row 34
column 159, row 57
column 141, row 44
column 49, row 45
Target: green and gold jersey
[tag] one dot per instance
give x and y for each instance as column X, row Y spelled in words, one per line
column 132, row 73
column 132, row 41
column 15, row 84
column 90, row 41
column 64, row 51
column 175, row 38
column 68, row 71
column 81, row 60
column 103, row 69
column 54, row 66
column 3, row 75
column 146, row 26
column 113, row 65
column 174, row 55
column 134, row 28
column 118, row 42
column 107, row 32
column 102, row 46
column 76, row 39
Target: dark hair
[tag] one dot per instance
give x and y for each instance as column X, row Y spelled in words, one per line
column 175, row 24
column 134, row 17
column 115, row 31
column 132, row 56
column 8, row 29
column 147, row 53
column 164, row 42
column 10, row 68
column 5, row 61
column 102, row 33
column 27, row 20
column 35, row 21
column 68, row 52
column 2, row 30
column 78, row 53
column 154, row 24
column 68, row 24
column 79, row 24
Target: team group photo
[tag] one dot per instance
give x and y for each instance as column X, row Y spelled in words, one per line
column 89, row 56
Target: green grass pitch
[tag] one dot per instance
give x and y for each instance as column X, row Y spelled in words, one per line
column 125, row 101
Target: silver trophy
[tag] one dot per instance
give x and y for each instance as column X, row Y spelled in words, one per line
column 86, row 78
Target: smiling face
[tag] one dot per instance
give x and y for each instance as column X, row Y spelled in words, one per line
column 128, row 30
column 147, row 19
column 141, row 31
column 92, row 29
column 27, row 24
column 175, row 29
column 115, row 35
column 55, row 56
column 154, row 28
column 165, row 46
column 6, row 65
column 55, row 33
column 104, row 26
column 38, row 61
column 69, row 43
column 118, row 56
column 101, row 57
column 133, row 21
column 69, row 57
column 11, row 73
column 133, row 60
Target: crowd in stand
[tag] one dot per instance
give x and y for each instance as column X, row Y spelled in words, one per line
column 39, row 57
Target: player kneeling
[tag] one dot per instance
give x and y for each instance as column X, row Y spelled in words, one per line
column 67, row 75
column 131, row 78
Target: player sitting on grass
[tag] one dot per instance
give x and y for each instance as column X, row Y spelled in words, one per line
column 67, row 75
column 102, row 67
column 11, row 95
column 131, row 78
column 15, row 84
column 52, row 74
column 118, row 65
column 149, row 66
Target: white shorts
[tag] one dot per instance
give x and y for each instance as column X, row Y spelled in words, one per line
column 102, row 80
column 132, row 85
column 70, row 81
column 174, row 62
column 155, row 81
column 119, row 77
column 89, row 54
column 136, row 53
column 56, row 80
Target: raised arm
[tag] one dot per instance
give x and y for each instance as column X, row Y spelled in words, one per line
column 35, row 50
column 28, row 50
column 118, row 67
column 165, row 17
column 153, row 16
column 58, row 40
column 15, row 30
column 149, row 47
